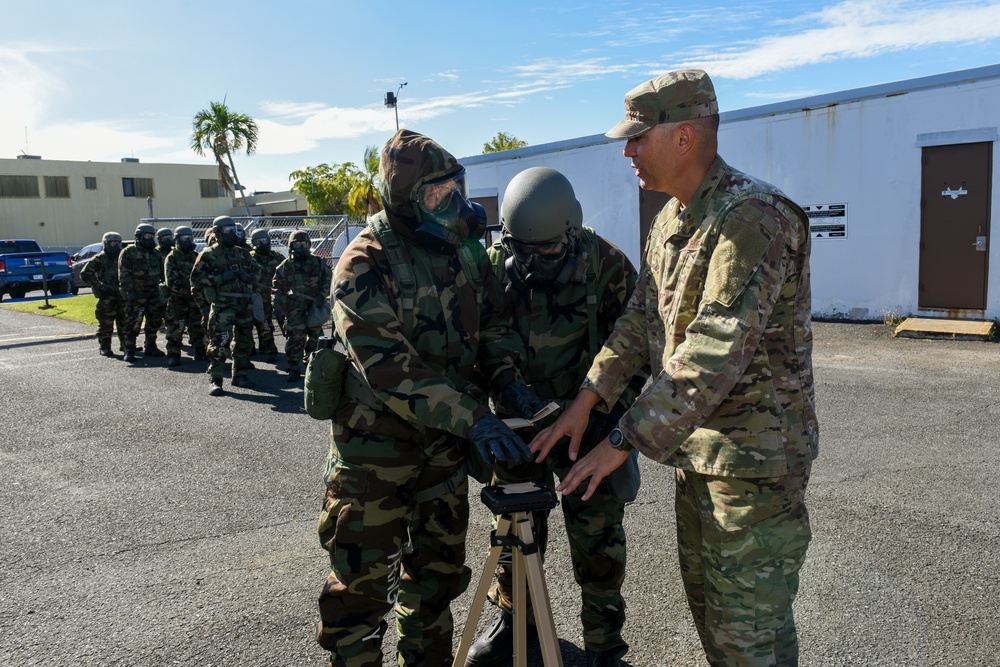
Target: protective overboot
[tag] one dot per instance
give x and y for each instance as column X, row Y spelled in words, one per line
column 199, row 352
column 174, row 360
column 243, row 382
column 603, row 659
column 293, row 375
column 271, row 357
column 129, row 356
column 216, row 388
column 153, row 351
column 106, row 352
column 496, row 647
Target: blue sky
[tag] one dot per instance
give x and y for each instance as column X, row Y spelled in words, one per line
column 105, row 80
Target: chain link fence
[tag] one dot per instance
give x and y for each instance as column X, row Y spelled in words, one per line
column 329, row 234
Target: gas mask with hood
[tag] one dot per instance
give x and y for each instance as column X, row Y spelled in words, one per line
column 423, row 186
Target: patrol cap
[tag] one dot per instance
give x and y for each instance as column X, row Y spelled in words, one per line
column 669, row 98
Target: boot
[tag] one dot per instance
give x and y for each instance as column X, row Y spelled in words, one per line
column 243, row 382
column 106, row 352
column 293, row 375
column 153, row 351
column 496, row 647
column 174, row 360
column 603, row 659
column 216, row 387
column 271, row 357
column 129, row 355
column 199, row 352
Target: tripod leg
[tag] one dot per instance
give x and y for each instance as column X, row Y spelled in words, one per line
column 519, row 600
column 540, row 602
column 476, row 610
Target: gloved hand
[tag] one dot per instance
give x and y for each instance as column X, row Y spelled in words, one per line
column 205, row 309
column 492, row 440
column 245, row 276
column 520, row 401
column 318, row 301
column 109, row 290
column 227, row 276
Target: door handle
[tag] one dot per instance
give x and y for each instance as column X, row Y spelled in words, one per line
column 980, row 243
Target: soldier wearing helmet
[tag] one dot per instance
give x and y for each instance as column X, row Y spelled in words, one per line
column 417, row 310
column 140, row 271
column 564, row 287
column 101, row 273
column 222, row 283
column 300, row 281
column 182, row 310
column 268, row 260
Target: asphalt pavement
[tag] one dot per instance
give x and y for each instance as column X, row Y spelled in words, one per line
column 143, row 522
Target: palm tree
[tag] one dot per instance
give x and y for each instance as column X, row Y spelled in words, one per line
column 222, row 131
column 364, row 198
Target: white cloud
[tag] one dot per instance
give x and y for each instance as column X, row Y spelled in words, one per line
column 27, row 89
column 855, row 29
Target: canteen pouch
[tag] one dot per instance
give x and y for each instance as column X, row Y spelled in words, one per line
column 257, row 305
column 324, row 382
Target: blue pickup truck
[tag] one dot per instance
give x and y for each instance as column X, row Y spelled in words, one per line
column 24, row 268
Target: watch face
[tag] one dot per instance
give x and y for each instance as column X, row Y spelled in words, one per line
column 615, row 437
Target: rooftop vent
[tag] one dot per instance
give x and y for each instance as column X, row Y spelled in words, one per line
column 130, row 159
column 23, row 156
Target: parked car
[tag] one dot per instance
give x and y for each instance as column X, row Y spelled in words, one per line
column 24, row 268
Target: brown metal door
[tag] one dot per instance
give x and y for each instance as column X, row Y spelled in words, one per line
column 954, row 226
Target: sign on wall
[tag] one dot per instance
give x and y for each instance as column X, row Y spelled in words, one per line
column 827, row 221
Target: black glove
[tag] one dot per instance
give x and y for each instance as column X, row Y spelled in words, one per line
column 205, row 309
column 492, row 440
column 244, row 276
column 109, row 290
column 228, row 275
column 520, row 401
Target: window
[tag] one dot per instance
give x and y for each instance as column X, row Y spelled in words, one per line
column 137, row 187
column 90, row 182
column 211, row 187
column 57, row 186
column 18, row 186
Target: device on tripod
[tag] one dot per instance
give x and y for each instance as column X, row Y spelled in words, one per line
column 513, row 504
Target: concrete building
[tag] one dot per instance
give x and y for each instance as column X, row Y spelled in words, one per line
column 900, row 182
column 67, row 204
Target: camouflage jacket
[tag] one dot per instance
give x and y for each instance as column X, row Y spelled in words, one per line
column 164, row 253
column 297, row 282
column 177, row 269
column 422, row 379
column 100, row 271
column 561, row 330
column 722, row 312
column 268, row 263
column 140, row 272
column 208, row 284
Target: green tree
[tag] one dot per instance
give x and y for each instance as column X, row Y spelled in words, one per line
column 364, row 199
column 327, row 189
column 503, row 142
column 222, row 131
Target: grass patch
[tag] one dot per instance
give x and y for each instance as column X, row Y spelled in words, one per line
column 76, row 308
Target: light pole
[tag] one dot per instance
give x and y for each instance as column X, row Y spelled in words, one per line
column 392, row 100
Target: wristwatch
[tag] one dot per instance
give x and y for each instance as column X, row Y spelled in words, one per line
column 618, row 441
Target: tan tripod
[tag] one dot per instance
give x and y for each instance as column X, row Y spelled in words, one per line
column 514, row 530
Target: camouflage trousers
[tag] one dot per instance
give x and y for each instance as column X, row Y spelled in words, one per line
column 597, row 549
column 183, row 313
column 300, row 339
column 110, row 313
column 265, row 329
column 395, row 533
column 230, row 323
column 741, row 543
column 149, row 309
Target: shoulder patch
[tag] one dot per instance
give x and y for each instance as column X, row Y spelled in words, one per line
column 746, row 235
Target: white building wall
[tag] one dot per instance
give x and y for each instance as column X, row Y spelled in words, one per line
column 85, row 215
column 861, row 148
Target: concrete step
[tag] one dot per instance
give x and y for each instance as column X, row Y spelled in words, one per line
column 923, row 327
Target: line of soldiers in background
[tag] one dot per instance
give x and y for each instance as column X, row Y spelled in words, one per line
column 219, row 295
